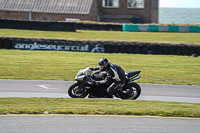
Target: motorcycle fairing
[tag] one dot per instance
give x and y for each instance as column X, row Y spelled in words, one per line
column 81, row 74
column 132, row 74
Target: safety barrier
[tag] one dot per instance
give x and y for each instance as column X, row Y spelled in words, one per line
column 56, row 26
column 99, row 46
column 72, row 26
column 38, row 25
column 105, row 27
column 160, row 28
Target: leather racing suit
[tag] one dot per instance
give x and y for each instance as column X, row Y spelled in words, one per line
column 115, row 73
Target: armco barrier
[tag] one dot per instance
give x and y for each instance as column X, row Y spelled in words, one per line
column 160, row 28
column 99, row 46
column 173, row 28
column 153, row 28
column 130, row 28
column 194, row 28
column 38, row 25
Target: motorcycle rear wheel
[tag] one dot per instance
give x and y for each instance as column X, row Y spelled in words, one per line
column 133, row 91
column 76, row 91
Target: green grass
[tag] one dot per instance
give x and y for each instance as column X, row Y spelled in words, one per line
column 60, row 65
column 97, row 107
column 106, row 35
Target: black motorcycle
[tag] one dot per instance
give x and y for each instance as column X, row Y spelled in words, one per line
column 84, row 86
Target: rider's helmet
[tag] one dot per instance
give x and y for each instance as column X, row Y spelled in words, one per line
column 103, row 63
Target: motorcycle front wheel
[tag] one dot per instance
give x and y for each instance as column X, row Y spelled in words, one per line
column 76, row 91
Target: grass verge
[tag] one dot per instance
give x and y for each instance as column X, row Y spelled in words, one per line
column 54, row 65
column 97, row 107
column 106, row 35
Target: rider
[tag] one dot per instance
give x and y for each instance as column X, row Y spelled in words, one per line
column 112, row 71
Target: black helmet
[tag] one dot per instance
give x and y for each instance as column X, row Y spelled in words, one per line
column 103, row 63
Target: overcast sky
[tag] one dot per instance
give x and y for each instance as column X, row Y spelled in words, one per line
column 180, row 3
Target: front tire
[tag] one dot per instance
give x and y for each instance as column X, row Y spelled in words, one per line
column 133, row 91
column 76, row 91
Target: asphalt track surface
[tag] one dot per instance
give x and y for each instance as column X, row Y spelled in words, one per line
column 97, row 124
column 58, row 89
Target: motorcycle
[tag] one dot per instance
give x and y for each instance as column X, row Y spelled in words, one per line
column 84, row 87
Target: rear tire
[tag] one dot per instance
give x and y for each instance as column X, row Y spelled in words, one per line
column 133, row 91
column 76, row 91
